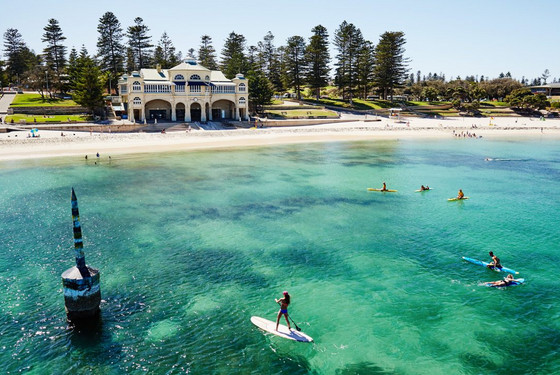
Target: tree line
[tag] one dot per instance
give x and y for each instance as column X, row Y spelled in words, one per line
column 301, row 65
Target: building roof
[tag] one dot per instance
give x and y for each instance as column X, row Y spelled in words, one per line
column 548, row 86
column 217, row 76
column 190, row 65
column 154, row 75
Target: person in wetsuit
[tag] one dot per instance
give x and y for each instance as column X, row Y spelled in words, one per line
column 495, row 262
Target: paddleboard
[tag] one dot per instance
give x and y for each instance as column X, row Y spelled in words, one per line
column 420, row 190
column 457, row 199
column 512, row 283
column 385, row 191
column 283, row 331
column 485, row 264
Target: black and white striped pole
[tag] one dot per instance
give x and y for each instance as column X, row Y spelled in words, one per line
column 82, row 293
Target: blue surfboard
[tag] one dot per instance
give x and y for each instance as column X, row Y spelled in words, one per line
column 485, row 264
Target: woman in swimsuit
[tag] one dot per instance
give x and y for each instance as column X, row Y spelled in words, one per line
column 505, row 282
column 284, row 302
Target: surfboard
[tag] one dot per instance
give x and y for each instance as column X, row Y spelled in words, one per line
column 514, row 282
column 283, row 331
column 485, row 264
column 384, row 191
column 420, row 190
column 457, row 199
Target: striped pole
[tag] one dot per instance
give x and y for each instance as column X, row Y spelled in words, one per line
column 82, row 294
column 78, row 243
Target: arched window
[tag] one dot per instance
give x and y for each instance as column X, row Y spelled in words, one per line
column 137, row 101
column 179, row 77
column 195, row 77
column 136, row 86
column 241, row 100
column 207, row 78
column 242, row 87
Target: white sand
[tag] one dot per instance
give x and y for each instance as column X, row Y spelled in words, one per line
column 16, row 145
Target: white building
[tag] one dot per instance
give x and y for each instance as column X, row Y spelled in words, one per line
column 187, row 92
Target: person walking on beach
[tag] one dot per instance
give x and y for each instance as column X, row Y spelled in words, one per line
column 284, row 302
column 495, row 262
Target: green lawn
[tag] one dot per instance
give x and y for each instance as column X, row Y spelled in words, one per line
column 493, row 104
column 356, row 103
column 29, row 119
column 35, row 100
column 422, row 104
column 302, row 113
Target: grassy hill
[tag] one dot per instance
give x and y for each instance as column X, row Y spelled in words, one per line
column 35, row 100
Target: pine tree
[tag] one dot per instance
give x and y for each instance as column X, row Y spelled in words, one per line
column 140, row 43
column 233, row 56
column 268, row 61
column 55, row 52
column 73, row 69
column 390, row 64
column 207, row 53
column 130, row 63
column 349, row 41
column 16, row 52
column 296, row 65
column 260, row 90
column 110, row 50
column 318, row 58
column 365, row 68
column 88, row 91
column 164, row 54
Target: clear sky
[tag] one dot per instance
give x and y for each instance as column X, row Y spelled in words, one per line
column 473, row 37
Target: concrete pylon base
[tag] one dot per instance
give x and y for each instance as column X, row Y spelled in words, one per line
column 82, row 296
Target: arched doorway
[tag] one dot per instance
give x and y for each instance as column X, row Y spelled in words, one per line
column 196, row 112
column 158, row 109
column 180, row 112
column 222, row 109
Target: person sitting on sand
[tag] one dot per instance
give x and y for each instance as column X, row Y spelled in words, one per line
column 384, row 188
column 284, row 302
column 495, row 262
column 505, row 282
column 460, row 194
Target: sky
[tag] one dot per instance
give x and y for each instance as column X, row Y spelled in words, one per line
column 455, row 38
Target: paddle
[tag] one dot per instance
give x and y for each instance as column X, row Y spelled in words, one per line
column 299, row 329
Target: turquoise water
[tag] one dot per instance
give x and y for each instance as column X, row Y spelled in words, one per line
column 191, row 245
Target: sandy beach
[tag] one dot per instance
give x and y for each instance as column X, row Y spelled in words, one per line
column 16, row 144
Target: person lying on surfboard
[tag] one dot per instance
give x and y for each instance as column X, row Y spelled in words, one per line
column 284, row 302
column 460, row 194
column 495, row 263
column 505, row 282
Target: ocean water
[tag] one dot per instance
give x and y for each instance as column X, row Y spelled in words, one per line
column 191, row 245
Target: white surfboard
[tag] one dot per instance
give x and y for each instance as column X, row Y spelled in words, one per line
column 283, row 331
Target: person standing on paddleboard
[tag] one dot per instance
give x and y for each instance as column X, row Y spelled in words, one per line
column 284, row 302
column 495, row 261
